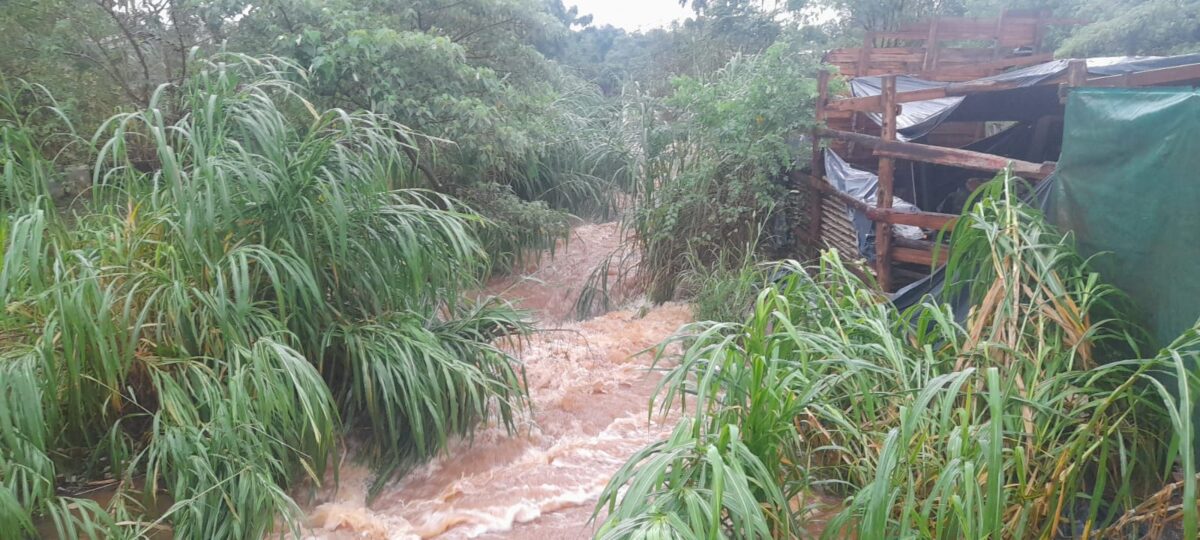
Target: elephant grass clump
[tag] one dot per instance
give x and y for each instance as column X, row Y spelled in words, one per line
column 248, row 280
column 1020, row 421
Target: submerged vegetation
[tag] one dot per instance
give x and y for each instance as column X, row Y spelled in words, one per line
column 1019, row 422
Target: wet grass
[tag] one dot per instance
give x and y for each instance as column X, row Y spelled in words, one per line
column 251, row 281
column 1036, row 417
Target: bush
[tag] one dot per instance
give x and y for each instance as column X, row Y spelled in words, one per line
column 715, row 156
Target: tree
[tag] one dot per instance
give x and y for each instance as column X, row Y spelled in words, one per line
column 1135, row 27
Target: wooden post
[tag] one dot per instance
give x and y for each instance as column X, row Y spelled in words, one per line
column 817, row 164
column 999, row 37
column 860, row 70
column 864, row 55
column 1039, row 30
column 1077, row 75
column 1041, row 133
column 819, row 121
column 1077, row 72
column 883, row 195
column 932, row 49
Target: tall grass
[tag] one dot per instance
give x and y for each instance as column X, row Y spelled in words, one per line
column 577, row 161
column 1017, row 423
column 251, row 280
column 25, row 176
column 571, row 163
column 713, row 159
column 723, row 290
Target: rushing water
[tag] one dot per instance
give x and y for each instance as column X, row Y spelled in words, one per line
column 590, row 390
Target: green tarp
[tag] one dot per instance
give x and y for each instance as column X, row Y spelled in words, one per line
column 1128, row 185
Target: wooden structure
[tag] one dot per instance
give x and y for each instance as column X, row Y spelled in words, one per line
column 949, row 49
column 945, row 49
column 933, row 51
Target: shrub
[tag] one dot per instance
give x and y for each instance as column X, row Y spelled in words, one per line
column 715, row 156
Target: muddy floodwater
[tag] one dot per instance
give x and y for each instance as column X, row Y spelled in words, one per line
column 590, row 390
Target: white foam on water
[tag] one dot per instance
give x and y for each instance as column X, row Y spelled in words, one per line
column 590, row 390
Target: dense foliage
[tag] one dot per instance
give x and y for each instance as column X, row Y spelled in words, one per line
column 1014, row 424
column 200, row 333
column 494, row 114
column 716, row 155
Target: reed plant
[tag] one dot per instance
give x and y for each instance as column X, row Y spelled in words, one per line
column 1035, row 417
column 251, row 280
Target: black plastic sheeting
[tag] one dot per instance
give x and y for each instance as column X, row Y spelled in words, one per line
column 863, row 185
column 917, row 119
column 931, row 184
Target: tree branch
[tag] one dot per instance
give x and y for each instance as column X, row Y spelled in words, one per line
column 137, row 49
column 110, row 66
column 481, row 29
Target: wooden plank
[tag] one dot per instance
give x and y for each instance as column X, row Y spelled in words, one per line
column 902, row 35
column 1153, row 77
column 875, row 103
column 1016, row 61
column 827, row 189
column 959, row 55
column 924, row 220
column 883, row 197
column 918, row 256
column 966, row 159
column 954, row 157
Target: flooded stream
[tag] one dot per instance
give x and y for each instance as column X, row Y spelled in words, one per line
column 589, row 389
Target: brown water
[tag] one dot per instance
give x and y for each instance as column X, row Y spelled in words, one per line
column 590, row 390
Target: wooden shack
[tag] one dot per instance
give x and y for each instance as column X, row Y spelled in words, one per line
column 965, row 58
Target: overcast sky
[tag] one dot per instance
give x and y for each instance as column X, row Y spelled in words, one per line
column 632, row 14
